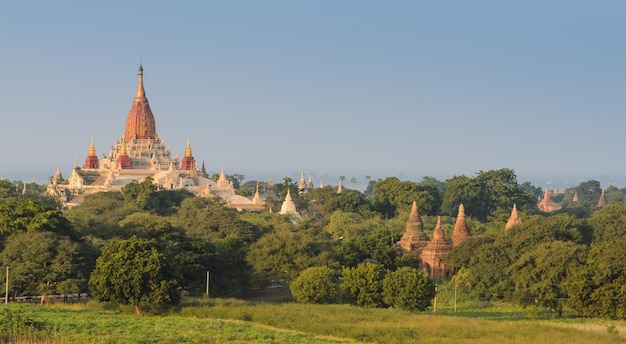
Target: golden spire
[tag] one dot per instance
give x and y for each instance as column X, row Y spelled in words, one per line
column 92, row 149
column 123, row 147
column 141, row 93
column 188, row 149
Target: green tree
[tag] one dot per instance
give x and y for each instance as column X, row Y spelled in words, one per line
column 391, row 196
column 139, row 193
column 363, row 284
column 596, row 289
column 134, row 272
column 316, row 284
column 21, row 215
column 280, row 256
column 485, row 193
column 409, row 289
column 539, row 274
column 609, row 223
column 210, row 219
column 46, row 263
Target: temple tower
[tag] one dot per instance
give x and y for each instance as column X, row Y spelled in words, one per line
column 460, row 232
column 189, row 163
column 140, row 122
column 514, row 219
column 414, row 238
column 91, row 162
column 435, row 254
column 602, row 200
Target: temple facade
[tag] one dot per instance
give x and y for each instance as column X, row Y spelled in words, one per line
column 139, row 154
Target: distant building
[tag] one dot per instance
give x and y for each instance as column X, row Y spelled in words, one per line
column 514, row 219
column 140, row 153
column 547, row 205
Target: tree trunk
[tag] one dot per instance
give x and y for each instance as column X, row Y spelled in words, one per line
column 137, row 309
column 43, row 299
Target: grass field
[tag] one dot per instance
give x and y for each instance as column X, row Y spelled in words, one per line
column 237, row 321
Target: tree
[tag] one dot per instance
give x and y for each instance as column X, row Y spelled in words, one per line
column 391, row 196
column 280, row 256
column 609, row 223
column 21, row 215
column 596, row 289
column 363, row 284
column 316, row 284
column 134, row 272
column 485, row 193
column 46, row 263
column 409, row 289
column 539, row 275
column 353, row 181
column 139, row 193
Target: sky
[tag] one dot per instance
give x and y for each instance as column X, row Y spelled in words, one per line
column 268, row 89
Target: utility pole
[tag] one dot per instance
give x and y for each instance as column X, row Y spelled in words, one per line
column 435, row 300
column 207, row 283
column 6, row 284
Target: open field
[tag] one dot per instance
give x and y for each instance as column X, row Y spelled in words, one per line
column 237, row 321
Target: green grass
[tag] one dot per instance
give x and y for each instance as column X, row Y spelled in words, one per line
column 75, row 325
column 238, row 321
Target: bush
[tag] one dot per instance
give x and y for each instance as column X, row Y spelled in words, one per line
column 363, row 285
column 316, row 284
column 409, row 289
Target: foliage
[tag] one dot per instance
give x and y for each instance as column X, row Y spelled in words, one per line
column 392, row 195
column 146, row 196
column 44, row 263
column 596, row 289
column 588, row 195
column 190, row 255
column 210, row 219
column 21, row 215
column 539, row 274
column 99, row 215
column 363, row 284
column 408, row 288
column 19, row 323
column 280, row 256
column 486, row 192
column 230, row 269
column 316, row 284
column 134, row 272
column 609, row 223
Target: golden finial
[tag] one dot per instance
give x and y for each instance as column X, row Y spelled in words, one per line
column 188, row 149
column 92, row 149
column 123, row 147
column 141, row 94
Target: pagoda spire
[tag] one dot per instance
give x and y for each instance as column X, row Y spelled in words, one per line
column 513, row 219
column 189, row 163
column 140, row 122
column 188, row 148
column 438, row 235
column 91, row 161
column 460, row 232
column 141, row 93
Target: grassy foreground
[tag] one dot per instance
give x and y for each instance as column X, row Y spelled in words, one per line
column 237, row 321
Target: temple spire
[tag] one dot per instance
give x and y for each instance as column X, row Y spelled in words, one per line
column 460, row 232
column 141, row 93
column 438, row 235
column 513, row 219
column 188, row 148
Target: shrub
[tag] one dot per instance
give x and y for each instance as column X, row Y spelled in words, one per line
column 316, row 284
column 409, row 289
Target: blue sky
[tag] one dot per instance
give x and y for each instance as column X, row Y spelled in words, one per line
column 353, row 88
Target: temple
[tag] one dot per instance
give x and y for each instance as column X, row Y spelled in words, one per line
column 513, row 220
column 547, row 205
column 140, row 154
